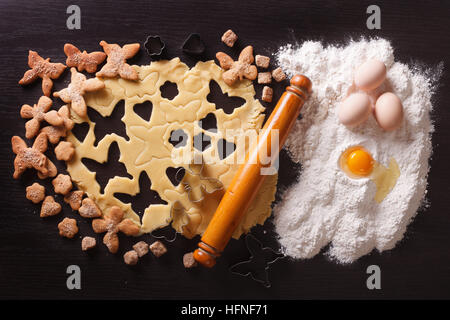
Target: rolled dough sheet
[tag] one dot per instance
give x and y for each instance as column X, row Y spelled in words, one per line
column 149, row 149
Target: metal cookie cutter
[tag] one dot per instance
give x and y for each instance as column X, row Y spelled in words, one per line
column 193, row 45
column 167, row 232
column 207, row 186
column 154, row 46
column 261, row 258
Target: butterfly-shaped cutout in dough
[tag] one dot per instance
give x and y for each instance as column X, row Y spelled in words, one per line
column 110, row 124
column 144, row 198
column 108, row 170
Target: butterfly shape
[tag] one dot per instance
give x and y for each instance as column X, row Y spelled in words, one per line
column 116, row 61
column 196, row 185
column 220, row 99
column 260, row 260
column 42, row 68
column 109, row 169
column 169, row 233
column 144, row 197
column 83, row 60
column 110, row 124
column 240, row 69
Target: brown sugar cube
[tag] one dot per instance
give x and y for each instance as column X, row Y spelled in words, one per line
column 189, row 261
column 62, row 184
column 267, row 94
column 229, row 38
column 64, row 151
column 264, row 78
column 141, row 248
column 35, row 193
column 278, row 74
column 88, row 243
column 262, row 61
column 158, row 248
column 68, row 228
column 131, row 258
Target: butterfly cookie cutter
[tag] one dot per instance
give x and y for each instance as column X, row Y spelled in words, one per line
column 175, row 210
column 205, row 186
column 258, row 255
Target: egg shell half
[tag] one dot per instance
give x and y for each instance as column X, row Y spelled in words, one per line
column 355, row 109
column 370, row 75
column 389, row 111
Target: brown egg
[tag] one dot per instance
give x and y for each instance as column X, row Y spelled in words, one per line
column 355, row 109
column 370, row 75
column 389, row 111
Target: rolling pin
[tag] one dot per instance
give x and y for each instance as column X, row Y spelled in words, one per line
column 248, row 179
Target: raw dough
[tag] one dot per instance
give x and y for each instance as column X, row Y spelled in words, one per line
column 149, row 148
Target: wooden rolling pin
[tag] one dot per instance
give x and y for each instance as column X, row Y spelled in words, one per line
column 248, row 178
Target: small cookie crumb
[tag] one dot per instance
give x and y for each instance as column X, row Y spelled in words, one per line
column 189, row 261
column 158, row 248
column 68, row 228
column 50, row 207
column 89, row 209
column 62, row 184
column 267, row 94
column 229, row 38
column 278, row 74
column 35, row 193
column 264, row 78
column 141, row 248
column 74, row 198
column 131, row 258
column 262, row 61
column 64, row 151
column 88, row 243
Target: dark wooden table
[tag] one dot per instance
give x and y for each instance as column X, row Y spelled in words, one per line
column 33, row 258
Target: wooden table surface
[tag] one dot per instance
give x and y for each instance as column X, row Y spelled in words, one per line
column 33, row 258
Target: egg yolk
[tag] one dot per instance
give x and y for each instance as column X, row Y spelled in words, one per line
column 360, row 162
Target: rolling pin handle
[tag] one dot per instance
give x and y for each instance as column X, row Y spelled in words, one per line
column 206, row 255
column 300, row 85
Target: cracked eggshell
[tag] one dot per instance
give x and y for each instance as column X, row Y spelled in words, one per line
column 355, row 109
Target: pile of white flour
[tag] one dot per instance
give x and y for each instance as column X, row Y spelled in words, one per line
column 326, row 206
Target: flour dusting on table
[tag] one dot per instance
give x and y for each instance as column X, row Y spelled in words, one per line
column 325, row 205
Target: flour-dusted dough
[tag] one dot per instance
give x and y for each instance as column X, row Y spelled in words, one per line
column 149, row 149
